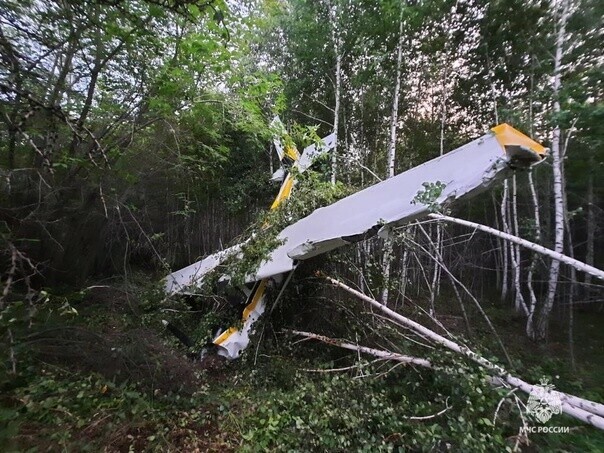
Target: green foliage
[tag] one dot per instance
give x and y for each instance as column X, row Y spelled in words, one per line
column 52, row 399
column 429, row 195
column 344, row 412
column 311, row 191
column 269, row 401
column 86, row 411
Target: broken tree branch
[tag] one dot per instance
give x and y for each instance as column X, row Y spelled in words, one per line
column 384, row 355
column 428, row 417
column 455, row 281
column 568, row 408
column 581, row 409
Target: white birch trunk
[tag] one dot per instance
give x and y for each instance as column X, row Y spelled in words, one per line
column 387, row 258
column 584, row 410
column 580, row 266
column 435, row 289
column 395, row 102
column 519, row 303
column 333, row 13
column 591, row 223
column 504, row 223
column 571, row 302
column 573, row 275
column 384, row 355
column 500, row 245
column 543, row 315
column 536, row 217
column 533, row 266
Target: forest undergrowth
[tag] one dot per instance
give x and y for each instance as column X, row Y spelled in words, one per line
column 101, row 374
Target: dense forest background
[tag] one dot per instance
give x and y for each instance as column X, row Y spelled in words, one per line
column 135, row 140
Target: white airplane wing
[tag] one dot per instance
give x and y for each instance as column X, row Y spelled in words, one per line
column 279, row 128
column 184, row 279
column 464, row 171
column 313, row 151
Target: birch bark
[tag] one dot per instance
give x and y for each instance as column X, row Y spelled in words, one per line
column 335, row 35
column 506, row 228
column 591, row 222
column 543, row 315
column 534, row 257
column 519, row 303
column 387, row 258
column 585, row 410
column 580, row 266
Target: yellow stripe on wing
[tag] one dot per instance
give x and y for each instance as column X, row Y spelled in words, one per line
column 284, row 193
column 258, row 294
column 292, row 153
column 507, row 135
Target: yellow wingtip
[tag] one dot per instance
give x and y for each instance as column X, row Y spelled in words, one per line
column 507, row 135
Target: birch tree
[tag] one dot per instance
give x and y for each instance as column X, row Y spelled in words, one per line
column 519, row 303
column 591, row 220
column 337, row 49
column 387, row 258
column 536, row 211
column 534, row 257
column 538, row 327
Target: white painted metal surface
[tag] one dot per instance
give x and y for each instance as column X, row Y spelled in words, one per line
column 464, row 171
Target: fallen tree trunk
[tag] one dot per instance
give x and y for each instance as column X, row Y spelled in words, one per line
column 587, row 411
column 579, row 265
column 566, row 406
column 386, row 355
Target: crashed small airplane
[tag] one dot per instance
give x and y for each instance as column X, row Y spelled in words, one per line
column 460, row 173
